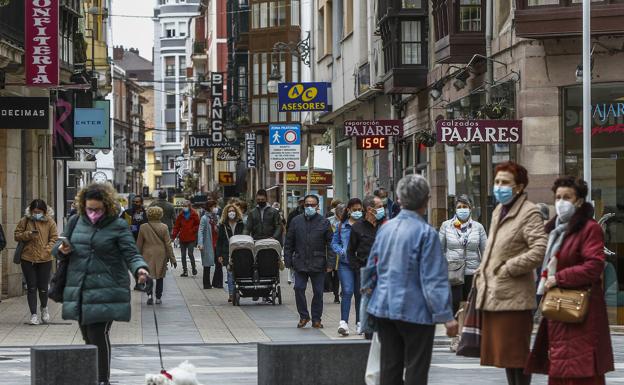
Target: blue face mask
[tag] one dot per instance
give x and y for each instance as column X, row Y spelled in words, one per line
column 463, row 214
column 357, row 215
column 310, row 211
column 503, row 194
column 38, row 216
column 380, row 214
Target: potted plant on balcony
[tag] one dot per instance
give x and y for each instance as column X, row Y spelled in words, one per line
column 4, row 3
column 493, row 110
column 242, row 120
column 427, row 138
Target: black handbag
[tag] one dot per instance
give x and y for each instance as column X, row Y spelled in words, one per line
column 59, row 279
column 19, row 250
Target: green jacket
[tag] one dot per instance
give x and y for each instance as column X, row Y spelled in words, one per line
column 98, row 285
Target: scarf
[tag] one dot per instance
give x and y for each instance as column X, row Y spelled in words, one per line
column 463, row 230
column 549, row 266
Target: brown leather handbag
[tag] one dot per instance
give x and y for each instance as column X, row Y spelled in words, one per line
column 566, row 305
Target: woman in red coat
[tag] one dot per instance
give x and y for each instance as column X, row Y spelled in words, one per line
column 574, row 353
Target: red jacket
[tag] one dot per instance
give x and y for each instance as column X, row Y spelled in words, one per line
column 568, row 350
column 186, row 228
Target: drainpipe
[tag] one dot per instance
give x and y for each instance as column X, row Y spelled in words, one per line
column 489, row 31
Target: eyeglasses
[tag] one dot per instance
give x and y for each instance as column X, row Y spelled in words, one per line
column 94, row 211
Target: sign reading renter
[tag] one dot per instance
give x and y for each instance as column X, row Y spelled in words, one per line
column 41, row 41
column 373, row 128
column 479, row 131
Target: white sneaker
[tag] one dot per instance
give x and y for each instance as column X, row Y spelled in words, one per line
column 45, row 315
column 358, row 327
column 343, row 329
column 34, row 320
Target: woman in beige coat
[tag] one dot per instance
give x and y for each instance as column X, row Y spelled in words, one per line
column 154, row 244
column 505, row 281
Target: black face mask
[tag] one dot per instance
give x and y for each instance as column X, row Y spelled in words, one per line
column 261, row 204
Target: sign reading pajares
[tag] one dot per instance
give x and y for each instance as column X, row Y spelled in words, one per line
column 303, row 97
column 479, row 131
column 373, row 128
column 41, row 41
column 17, row 112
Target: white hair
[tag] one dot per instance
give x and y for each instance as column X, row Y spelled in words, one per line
column 413, row 192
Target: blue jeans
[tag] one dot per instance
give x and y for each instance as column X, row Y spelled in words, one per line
column 350, row 282
column 230, row 282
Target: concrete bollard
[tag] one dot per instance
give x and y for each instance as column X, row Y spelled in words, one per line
column 66, row 365
column 313, row 363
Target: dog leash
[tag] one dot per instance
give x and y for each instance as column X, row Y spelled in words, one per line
column 163, row 371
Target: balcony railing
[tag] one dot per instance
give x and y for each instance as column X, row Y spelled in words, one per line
column 12, row 22
column 199, row 48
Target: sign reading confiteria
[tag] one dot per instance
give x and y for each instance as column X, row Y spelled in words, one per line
column 41, row 40
column 479, row 131
column 373, row 128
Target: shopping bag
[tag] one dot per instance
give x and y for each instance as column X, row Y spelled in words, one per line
column 373, row 366
column 470, row 340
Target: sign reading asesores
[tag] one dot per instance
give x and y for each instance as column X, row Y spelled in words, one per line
column 303, row 97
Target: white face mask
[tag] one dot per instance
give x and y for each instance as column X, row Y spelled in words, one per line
column 232, row 215
column 565, row 210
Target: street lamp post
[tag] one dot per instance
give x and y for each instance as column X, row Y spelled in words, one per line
column 302, row 50
column 587, row 79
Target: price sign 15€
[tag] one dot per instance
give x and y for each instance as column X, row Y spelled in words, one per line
column 371, row 142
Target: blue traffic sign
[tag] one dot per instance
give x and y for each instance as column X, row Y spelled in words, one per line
column 284, row 134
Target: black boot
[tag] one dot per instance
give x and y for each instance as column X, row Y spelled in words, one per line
column 206, row 278
column 184, row 273
column 511, row 376
column 521, row 378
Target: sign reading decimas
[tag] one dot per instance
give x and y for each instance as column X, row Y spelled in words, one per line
column 285, row 147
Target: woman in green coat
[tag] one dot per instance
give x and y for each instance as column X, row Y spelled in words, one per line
column 101, row 250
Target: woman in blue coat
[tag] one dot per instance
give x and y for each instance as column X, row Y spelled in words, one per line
column 101, row 250
column 349, row 278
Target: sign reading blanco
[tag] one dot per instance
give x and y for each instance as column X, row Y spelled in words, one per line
column 479, row 131
column 284, row 147
column 216, row 109
column 373, row 128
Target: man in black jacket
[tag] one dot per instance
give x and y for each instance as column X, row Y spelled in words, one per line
column 167, row 208
column 308, row 251
column 263, row 221
column 363, row 233
column 298, row 211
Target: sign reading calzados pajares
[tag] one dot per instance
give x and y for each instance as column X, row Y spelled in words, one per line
column 479, row 131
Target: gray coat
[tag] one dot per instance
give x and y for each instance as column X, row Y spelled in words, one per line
column 204, row 239
column 454, row 249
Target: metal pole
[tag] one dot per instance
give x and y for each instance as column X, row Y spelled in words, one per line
column 285, row 196
column 310, row 163
column 587, row 73
column 489, row 31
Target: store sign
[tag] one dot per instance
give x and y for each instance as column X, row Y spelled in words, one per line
column 181, row 169
column 250, row 146
column 317, row 178
column 303, row 97
column 41, row 40
column 27, row 113
column 199, row 142
column 89, row 134
column 228, row 154
column 479, row 131
column 371, row 143
column 373, row 128
column 226, row 178
column 216, row 109
column 604, row 111
column 284, row 147
column 63, row 131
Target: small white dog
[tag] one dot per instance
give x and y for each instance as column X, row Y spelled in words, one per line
column 182, row 375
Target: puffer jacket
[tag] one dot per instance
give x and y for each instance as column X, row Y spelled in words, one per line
column 38, row 246
column 454, row 249
column 516, row 246
column 308, row 245
column 98, row 284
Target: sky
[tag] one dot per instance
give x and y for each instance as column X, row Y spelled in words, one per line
column 133, row 32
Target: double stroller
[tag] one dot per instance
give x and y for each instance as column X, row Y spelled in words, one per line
column 255, row 268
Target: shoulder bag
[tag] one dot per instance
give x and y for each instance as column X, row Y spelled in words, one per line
column 19, row 249
column 59, row 279
column 566, row 305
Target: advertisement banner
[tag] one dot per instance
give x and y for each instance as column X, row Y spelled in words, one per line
column 373, row 127
column 250, row 145
column 317, row 178
column 228, row 154
column 99, row 138
column 479, row 131
column 226, row 178
column 216, row 107
column 284, row 147
column 199, row 142
column 304, row 97
column 63, row 131
column 25, row 113
column 41, row 32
